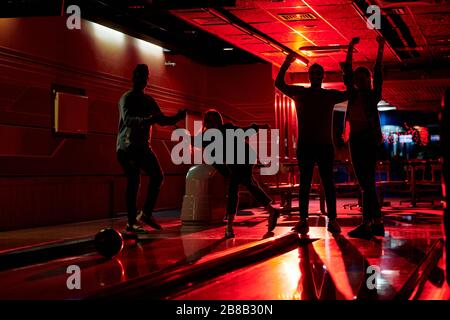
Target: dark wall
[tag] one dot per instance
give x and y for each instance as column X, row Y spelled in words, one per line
column 45, row 179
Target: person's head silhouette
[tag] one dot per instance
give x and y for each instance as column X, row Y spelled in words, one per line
column 212, row 119
column 362, row 78
column 140, row 77
column 316, row 74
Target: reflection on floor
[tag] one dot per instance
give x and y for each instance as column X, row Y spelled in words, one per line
column 329, row 268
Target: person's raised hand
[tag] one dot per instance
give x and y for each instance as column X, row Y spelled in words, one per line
column 380, row 40
column 354, row 41
column 291, row 57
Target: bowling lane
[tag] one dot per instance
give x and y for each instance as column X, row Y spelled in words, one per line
column 327, row 269
column 330, row 268
column 163, row 252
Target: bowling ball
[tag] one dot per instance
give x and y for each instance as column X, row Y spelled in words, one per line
column 108, row 242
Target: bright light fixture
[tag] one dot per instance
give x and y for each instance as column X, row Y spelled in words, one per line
column 306, row 53
column 385, row 106
column 300, row 62
column 108, row 34
column 149, row 47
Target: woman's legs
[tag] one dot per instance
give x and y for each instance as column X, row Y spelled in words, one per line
column 249, row 181
column 363, row 154
column 243, row 174
column 232, row 203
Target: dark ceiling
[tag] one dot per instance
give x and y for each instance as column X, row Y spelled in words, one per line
column 417, row 58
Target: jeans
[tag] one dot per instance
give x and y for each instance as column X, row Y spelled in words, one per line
column 133, row 160
column 243, row 174
column 307, row 156
column 363, row 151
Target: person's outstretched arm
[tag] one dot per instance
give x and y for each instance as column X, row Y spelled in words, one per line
column 280, row 83
column 347, row 70
column 131, row 120
column 377, row 73
column 157, row 118
column 164, row 120
column 254, row 126
column 347, row 73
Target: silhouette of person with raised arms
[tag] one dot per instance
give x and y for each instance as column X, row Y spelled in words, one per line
column 363, row 132
column 138, row 112
column 315, row 107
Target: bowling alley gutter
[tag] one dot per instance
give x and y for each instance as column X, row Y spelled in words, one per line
column 16, row 258
column 165, row 282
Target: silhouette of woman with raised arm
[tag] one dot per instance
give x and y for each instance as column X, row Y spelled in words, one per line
column 363, row 132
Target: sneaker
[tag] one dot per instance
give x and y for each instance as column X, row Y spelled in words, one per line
column 363, row 231
column 137, row 229
column 333, row 226
column 273, row 217
column 229, row 232
column 378, row 229
column 149, row 220
column 301, row 227
column 225, row 219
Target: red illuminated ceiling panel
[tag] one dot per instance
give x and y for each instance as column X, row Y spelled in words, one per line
column 225, row 30
column 418, row 35
column 253, row 15
column 294, row 24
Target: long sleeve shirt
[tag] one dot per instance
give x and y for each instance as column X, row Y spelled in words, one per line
column 315, row 109
column 136, row 108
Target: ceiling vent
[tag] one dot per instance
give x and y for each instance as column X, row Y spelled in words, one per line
column 290, row 17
